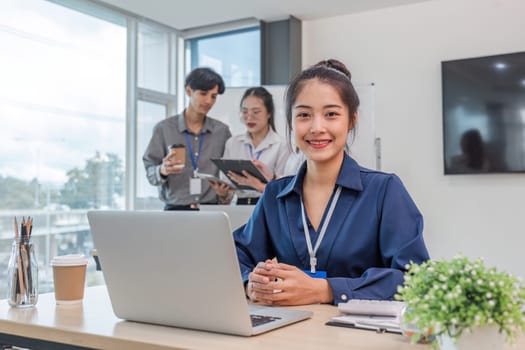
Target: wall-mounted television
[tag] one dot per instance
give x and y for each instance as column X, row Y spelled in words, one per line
column 484, row 114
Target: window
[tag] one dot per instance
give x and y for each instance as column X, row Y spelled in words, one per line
column 148, row 114
column 236, row 55
column 153, row 58
column 156, row 99
column 63, row 107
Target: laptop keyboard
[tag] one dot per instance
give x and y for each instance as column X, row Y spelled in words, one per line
column 258, row 320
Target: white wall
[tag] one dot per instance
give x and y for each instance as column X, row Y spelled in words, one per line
column 400, row 50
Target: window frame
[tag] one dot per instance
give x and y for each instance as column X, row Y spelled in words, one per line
column 135, row 94
column 215, row 31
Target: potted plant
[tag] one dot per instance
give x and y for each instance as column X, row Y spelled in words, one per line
column 460, row 299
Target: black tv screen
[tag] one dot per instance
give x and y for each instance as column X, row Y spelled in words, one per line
column 484, row 114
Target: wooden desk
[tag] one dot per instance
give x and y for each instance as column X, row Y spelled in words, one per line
column 93, row 325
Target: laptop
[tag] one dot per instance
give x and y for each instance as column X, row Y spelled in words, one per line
column 179, row 269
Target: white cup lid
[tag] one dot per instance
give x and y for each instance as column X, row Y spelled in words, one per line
column 69, row 260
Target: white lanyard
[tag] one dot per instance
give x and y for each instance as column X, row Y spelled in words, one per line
column 313, row 252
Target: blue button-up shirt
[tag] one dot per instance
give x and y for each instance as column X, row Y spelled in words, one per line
column 375, row 230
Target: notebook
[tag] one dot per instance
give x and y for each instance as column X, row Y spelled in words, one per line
column 378, row 315
column 179, row 269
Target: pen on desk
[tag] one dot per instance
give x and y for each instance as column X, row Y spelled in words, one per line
column 371, row 327
column 377, row 328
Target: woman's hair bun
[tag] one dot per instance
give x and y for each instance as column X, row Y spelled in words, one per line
column 335, row 65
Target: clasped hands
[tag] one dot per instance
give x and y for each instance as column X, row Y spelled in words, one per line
column 272, row 283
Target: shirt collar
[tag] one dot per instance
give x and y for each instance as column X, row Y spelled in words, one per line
column 349, row 177
column 206, row 127
column 270, row 138
column 245, row 138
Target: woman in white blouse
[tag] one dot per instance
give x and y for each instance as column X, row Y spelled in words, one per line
column 260, row 143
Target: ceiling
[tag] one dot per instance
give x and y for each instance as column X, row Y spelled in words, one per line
column 184, row 14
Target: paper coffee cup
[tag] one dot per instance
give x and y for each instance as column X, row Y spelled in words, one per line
column 178, row 152
column 69, row 276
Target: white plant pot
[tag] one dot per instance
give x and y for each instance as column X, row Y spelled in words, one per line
column 480, row 338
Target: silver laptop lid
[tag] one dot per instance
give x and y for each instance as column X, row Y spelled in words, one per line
column 172, row 268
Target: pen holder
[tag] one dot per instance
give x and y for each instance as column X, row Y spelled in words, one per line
column 22, row 273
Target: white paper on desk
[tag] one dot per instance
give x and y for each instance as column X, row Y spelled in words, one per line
column 386, row 323
column 372, row 307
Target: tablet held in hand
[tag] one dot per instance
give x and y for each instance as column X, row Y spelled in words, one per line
column 238, row 166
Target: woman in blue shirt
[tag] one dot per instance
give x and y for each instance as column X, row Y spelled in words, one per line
column 339, row 231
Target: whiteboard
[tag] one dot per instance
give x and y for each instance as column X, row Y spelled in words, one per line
column 363, row 147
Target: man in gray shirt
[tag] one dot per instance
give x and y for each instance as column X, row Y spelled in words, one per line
column 203, row 138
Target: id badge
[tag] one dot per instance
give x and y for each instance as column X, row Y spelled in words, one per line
column 317, row 274
column 195, row 186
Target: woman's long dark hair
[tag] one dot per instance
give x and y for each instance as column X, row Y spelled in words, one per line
column 267, row 99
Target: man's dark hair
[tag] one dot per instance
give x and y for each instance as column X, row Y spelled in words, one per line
column 204, row 79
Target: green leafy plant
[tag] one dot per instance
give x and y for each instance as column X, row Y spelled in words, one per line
column 449, row 297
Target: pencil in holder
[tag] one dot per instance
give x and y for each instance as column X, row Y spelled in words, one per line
column 22, row 271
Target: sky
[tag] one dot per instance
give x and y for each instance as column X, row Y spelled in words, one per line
column 62, row 89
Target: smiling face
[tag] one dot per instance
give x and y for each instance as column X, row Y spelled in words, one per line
column 321, row 122
column 255, row 115
column 202, row 101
